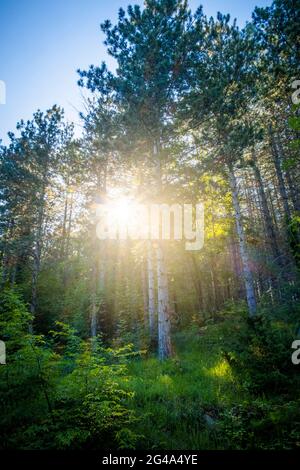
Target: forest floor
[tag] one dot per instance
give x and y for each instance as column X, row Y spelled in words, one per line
column 178, row 402
column 221, row 390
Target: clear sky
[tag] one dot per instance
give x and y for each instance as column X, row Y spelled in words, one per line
column 44, row 42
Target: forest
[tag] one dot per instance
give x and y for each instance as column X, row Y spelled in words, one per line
column 119, row 342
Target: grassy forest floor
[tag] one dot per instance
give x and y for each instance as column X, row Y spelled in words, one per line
column 230, row 384
column 197, row 400
column 180, row 400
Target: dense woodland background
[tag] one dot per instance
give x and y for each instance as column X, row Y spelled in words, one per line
column 141, row 344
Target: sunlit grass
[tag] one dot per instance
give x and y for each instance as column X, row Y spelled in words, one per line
column 222, row 369
column 172, row 397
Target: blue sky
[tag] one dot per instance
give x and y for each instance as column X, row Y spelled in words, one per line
column 43, row 43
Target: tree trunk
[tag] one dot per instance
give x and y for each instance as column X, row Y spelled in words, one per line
column 34, row 279
column 163, row 306
column 196, row 277
column 94, row 303
column 93, row 318
column 67, row 252
column 99, row 264
column 151, row 293
column 247, row 274
column 293, row 191
column 270, row 231
column 292, row 186
column 145, row 293
column 37, row 250
column 64, row 225
column 164, row 327
column 279, row 174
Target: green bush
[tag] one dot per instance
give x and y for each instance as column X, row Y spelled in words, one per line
column 60, row 392
column 262, row 424
column 259, row 351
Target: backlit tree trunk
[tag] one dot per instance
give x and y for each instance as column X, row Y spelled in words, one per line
column 163, row 306
column 163, row 309
column 247, row 274
column 151, row 292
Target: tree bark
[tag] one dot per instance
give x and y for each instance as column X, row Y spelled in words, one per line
column 38, row 240
column 93, row 318
column 99, row 264
column 163, row 306
column 37, row 250
column 164, row 327
column 145, row 293
column 247, row 274
column 270, row 231
column 94, row 302
column 279, row 174
column 151, row 293
column 292, row 186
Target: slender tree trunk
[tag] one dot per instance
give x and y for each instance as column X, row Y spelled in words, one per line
column 93, row 317
column 292, row 188
column 151, row 292
column 279, row 174
column 292, row 236
column 247, row 274
column 94, row 303
column 64, row 225
column 273, row 209
column 145, row 293
column 235, row 267
column 102, row 267
column 292, row 184
column 196, row 276
column 67, row 252
column 101, row 271
column 293, row 191
column 270, row 231
column 213, row 290
column 163, row 306
column 164, row 327
column 14, row 272
column 37, row 250
column 66, row 234
column 34, row 280
column 99, row 264
column 94, row 286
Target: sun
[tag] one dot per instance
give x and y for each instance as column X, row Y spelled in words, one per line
column 123, row 210
column 121, row 218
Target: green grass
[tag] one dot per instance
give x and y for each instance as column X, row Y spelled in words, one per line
column 171, row 398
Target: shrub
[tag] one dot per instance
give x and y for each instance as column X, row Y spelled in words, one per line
column 60, row 392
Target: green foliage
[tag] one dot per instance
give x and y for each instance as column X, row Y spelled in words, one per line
column 259, row 350
column 58, row 393
column 259, row 424
column 14, row 318
column 259, row 353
